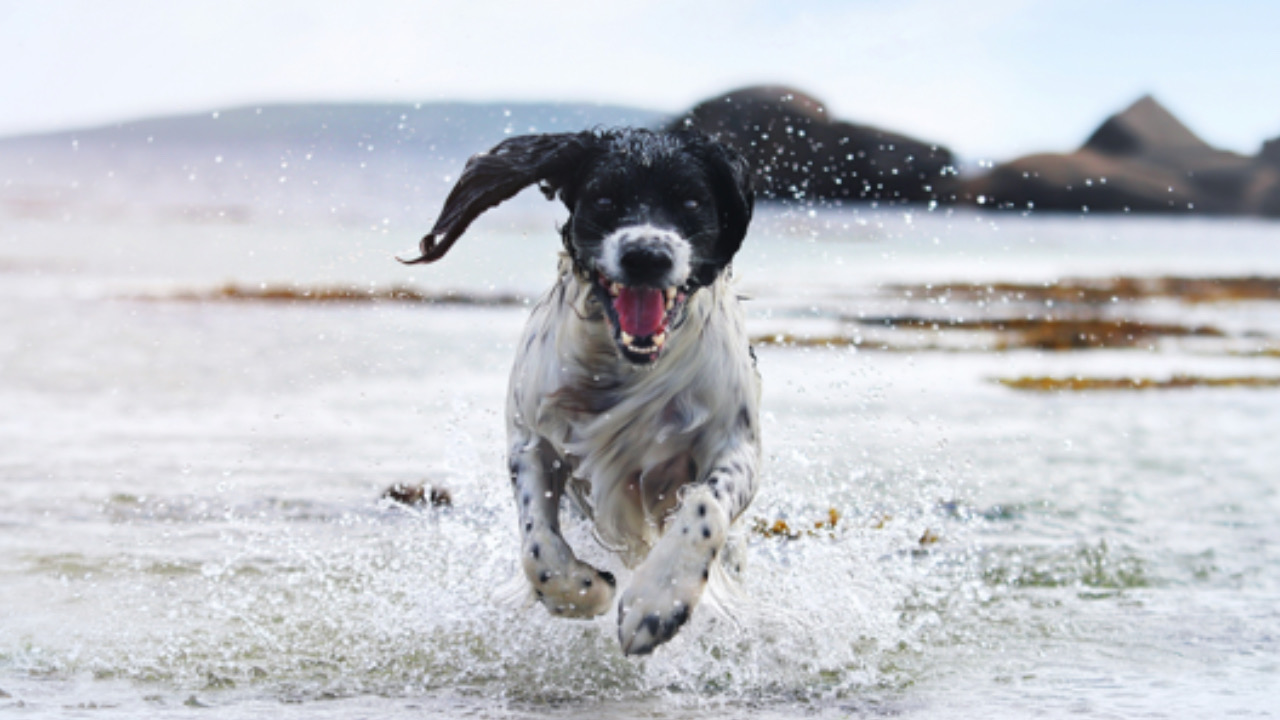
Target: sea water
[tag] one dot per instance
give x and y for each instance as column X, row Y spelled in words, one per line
column 191, row 512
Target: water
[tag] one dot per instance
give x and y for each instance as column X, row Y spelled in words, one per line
column 190, row 509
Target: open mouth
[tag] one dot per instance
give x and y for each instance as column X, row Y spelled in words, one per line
column 640, row 317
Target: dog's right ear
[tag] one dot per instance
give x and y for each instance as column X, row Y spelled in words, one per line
column 489, row 178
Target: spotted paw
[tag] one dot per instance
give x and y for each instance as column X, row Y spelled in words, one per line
column 643, row 627
column 566, row 586
column 670, row 581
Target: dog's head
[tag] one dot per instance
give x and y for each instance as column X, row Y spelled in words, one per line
column 653, row 217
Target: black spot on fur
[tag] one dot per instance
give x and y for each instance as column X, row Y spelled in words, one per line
column 715, row 494
column 528, row 527
column 706, row 573
column 653, row 624
column 526, row 500
column 702, row 510
column 680, row 617
column 544, row 576
column 535, row 551
column 706, row 531
column 586, row 582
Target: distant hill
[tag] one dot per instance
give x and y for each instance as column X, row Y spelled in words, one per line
column 379, row 163
column 446, row 130
column 349, row 160
column 1142, row 159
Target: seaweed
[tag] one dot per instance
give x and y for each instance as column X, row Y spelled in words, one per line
column 1053, row 333
column 1098, row 291
column 1176, row 382
column 780, row 528
column 1014, row 334
column 326, row 294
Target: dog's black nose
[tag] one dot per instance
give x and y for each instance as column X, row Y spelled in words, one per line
column 645, row 265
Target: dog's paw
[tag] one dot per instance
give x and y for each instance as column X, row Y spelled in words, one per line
column 669, row 583
column 566, row 586
column 645, row 622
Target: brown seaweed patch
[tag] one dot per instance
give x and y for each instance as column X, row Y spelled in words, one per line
column 835, row 342
column 294, row 294
column 1097, row 291
column 1177, row 382
column 1266, row 352
column 781, row 529
column 1055, row 333
column 803, row 341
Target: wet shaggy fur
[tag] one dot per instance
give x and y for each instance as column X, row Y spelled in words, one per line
column 634, row 391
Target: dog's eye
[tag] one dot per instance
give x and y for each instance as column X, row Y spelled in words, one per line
column 692, row 204
column 604, row 203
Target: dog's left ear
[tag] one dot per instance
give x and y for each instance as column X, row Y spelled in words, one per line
column 731, row 179
column 489, row 178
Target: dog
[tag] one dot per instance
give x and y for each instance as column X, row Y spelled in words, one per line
column 635, row 390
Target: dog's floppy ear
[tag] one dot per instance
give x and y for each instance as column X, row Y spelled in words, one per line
column 731, row 180
column 490, row 178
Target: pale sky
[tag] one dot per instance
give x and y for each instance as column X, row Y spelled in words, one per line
column 989, row 78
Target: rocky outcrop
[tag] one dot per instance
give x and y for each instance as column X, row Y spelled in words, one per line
column 799, row 152
column 1262, row 197
column 1142, row 159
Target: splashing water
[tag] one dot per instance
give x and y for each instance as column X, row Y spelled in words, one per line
column 190, row 512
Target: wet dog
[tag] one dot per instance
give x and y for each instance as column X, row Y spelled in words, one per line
column 635, row 390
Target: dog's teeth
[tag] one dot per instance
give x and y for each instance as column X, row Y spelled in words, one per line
column 671, row 297
column 659, row 339
column 628, row 339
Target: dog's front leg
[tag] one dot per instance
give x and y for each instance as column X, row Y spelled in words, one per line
column 670, row 581
column 565, row 585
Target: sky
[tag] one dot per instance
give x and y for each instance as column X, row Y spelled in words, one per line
column 991, row 79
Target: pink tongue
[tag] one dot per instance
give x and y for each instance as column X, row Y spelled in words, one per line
column 641, row 311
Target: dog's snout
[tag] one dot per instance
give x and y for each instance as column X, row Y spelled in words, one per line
column 645, row 255
column 646, row 264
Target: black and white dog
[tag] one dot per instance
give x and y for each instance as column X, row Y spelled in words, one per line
column 635, row 389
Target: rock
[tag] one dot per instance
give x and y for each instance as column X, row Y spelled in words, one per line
column 1142, row 159
column 1262, row 197
column 798, row 152
column 1270, row 153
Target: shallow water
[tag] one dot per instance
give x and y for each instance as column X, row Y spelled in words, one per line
column 190, row 512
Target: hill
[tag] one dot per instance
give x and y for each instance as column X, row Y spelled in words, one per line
column 1142, row 159
column 347, row 160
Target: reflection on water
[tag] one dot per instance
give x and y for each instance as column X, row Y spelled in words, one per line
column 191, row 508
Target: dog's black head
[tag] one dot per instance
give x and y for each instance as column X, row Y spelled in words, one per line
column 653, row 217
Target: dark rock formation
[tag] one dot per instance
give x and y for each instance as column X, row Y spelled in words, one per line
column 1262, row 197
column 800, row 153
column 1140, row 160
